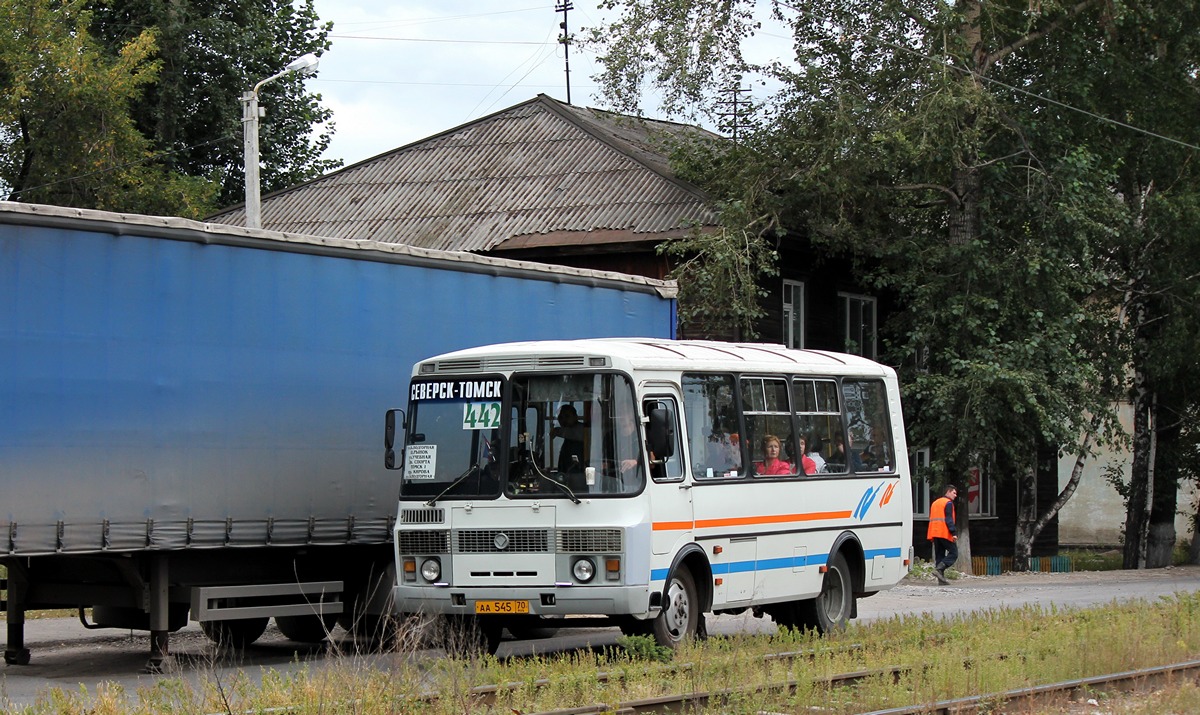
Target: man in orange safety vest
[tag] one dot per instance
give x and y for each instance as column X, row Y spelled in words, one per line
column 942, row 532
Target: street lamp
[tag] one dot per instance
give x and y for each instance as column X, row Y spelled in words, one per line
column 251, row 113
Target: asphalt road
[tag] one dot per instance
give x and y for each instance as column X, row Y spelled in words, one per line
column 65, row 655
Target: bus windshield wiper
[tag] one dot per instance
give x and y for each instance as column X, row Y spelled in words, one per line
column 461, row 478
column 561, row 486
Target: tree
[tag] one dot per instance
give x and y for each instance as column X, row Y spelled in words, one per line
column 66, row 136
column 211, row 51
column 1137, row 65
column 902, row 133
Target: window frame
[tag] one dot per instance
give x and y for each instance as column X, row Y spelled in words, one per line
column 794, row 318
column 860, row 301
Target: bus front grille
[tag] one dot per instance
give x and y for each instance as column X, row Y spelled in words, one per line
column 423, row 542
column 489, row 541
column 589, row 541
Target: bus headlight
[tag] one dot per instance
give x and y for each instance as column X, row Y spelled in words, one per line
column 431, row 570
column 584, row 570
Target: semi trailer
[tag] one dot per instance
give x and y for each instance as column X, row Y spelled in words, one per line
column 189, row 412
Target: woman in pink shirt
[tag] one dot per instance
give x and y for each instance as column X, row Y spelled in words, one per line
column 772, row 465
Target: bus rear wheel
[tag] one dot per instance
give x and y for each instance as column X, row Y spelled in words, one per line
column 831, row 609
column 679, row 620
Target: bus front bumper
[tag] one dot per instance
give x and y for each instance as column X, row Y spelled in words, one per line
column 534, row 601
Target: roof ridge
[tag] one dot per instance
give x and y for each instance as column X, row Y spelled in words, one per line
column 562, row 110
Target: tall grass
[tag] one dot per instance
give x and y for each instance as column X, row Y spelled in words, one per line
column 993, row 651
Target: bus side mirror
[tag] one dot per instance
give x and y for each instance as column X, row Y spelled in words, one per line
column 391, row 419
column 661, row 434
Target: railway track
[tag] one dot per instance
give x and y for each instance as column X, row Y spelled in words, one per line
column 1033, row 699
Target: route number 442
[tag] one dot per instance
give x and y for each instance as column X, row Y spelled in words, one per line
column 481, row 415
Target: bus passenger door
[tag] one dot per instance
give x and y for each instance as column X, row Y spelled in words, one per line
column 670, row 486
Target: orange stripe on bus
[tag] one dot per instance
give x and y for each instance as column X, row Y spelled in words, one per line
column 749, row 520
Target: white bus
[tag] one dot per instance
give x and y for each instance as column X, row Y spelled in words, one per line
column 649, row 480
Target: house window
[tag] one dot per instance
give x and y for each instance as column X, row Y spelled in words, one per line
column 857, row 313
column 979, row 491
column 793, row 314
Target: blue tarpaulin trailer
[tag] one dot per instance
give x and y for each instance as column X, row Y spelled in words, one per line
column 190, row 414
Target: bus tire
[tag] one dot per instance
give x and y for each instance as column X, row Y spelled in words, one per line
column 308, row 628
column 678, row 622
column 831, row 609
column 237, row 633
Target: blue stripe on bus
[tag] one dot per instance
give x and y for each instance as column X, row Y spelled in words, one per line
column 781, row 563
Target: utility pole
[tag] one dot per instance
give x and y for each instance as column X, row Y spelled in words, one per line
column 565, row 39
column 735, row 103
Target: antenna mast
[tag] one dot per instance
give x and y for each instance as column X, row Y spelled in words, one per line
column 731, row 120
column 565, row 39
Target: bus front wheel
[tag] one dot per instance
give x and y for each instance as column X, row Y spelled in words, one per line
column 831, row 609
column 678, row 621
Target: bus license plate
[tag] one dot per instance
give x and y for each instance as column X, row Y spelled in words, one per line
column 502, row 606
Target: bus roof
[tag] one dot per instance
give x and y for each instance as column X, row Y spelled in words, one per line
column 649, row 354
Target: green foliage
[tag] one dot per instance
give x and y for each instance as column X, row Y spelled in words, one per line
column 66, row 136
column 1090, row 560
column 718, row 272
column 885, row 143
column 644, row 648
column 211, row 51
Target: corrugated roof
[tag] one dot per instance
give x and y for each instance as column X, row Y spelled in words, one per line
column 540, row 167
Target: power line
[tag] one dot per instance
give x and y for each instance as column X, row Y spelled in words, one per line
column 429, row 39
column 445, row 18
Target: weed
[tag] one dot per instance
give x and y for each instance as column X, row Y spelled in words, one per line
column 645, row 648
column 951, row 656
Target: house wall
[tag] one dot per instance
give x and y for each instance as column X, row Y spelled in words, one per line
column 1095, row 515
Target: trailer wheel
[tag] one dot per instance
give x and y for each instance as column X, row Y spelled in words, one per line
column 237, row 633
column 831, row 609
column 679, row 621
column 309, row 628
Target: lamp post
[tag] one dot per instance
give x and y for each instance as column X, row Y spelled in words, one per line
column 251, row 113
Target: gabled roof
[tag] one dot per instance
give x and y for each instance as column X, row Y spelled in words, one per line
column 541, row 169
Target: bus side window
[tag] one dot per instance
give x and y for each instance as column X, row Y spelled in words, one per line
column 768, row 418
column 668, row 467
column 714, row 444
column 820, row 421
column 868, row 427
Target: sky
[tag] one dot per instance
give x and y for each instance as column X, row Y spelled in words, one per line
column 398, row 72
column 402, row 71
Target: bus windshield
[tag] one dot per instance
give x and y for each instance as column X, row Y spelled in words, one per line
column 453, row 444
column 561, row 436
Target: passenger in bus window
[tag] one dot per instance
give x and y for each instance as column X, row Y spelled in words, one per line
column 722, row 454
column 853, row 460
column 570, row 455
column 847, row 455
column 806, row 462
column 772, row 465
column 814, row 454
column 625, row 442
